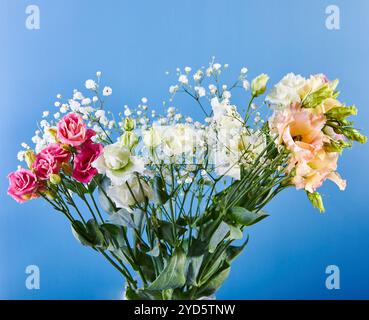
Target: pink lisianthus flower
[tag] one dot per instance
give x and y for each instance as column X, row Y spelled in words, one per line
column 311, row 175
column 56, row 150
column 83, row 171
column 300, row 130
column 23, row 185
column 72, row 130
column 45, row 165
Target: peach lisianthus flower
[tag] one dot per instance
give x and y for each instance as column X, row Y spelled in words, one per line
column 311, row 175
column 300, row 130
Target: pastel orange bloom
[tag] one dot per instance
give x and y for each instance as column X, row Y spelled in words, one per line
column 300, row 130
column 311, row 175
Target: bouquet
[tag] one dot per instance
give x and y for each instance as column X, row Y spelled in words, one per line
column 166, row 199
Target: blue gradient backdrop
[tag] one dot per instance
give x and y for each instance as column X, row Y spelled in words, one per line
column 134, row 43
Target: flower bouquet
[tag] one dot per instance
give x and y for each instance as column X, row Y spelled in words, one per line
column 166, row 199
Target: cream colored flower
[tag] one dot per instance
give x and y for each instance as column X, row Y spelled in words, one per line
column 286, row 91
column 132, row 192
column 118, row 164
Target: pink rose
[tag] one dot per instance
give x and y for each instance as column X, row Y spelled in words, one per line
column 22, row 185
column 60, row 155
column 73, row 131
column 45, row 165
column 83, row 171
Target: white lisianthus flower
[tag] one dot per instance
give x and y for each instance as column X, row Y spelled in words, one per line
column 179, row 139
column 118, row 164
column 132, row 192
column 286, row 91
column 152, row 137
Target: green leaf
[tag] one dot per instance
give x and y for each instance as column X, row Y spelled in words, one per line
column 245, row 217
column 113, row 235
column 166, row 231
column 122, row 218
column 105, row 203
column 216, row 281
column 233, row 251
column 173, row 275
column 161, row 194
column 193, row 266
column 235, row 233
column 141, row 294
column 147, row 265
column 80, row 233
column 218, row 236
column 138, row 219
column 95, row 234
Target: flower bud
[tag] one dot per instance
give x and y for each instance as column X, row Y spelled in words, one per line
column 67, row 168
column 258, row 84
column 30, row 158
column 53, row 132
column 354, row 134
column 49, row 194
column 316, row 200
column 341, row 112
column 55, row 178
column 129, row 139
column 129, row 124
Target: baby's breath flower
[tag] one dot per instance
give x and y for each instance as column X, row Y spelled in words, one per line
column 78, row 95
column 183, row 79
column 90, row 84
column 212, row 88
column 127, row 112
column 86, row 101
column 246, row 84
column 173, row 89
column 200, row 91
column 64, row 108
column 20, row 155
column 107, row 91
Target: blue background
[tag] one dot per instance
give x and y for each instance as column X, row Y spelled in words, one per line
column 134, row 43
